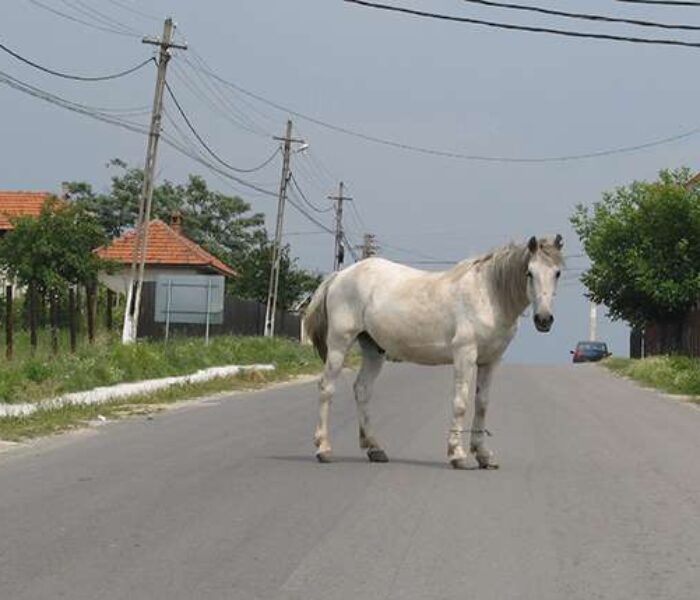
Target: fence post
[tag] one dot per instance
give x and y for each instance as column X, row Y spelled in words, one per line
column 206, row 332
column 9, row 322
column 167, row 309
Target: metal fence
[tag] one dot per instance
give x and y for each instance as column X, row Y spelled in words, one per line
column 240, row 317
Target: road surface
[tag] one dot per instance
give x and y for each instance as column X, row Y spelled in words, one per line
column 598, row 496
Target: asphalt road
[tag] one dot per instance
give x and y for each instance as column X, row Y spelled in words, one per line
column 598, row 496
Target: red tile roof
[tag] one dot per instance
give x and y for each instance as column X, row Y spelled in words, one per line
column 165, row 247
column 20, row 204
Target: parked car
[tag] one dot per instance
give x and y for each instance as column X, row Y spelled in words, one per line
column 590, row 352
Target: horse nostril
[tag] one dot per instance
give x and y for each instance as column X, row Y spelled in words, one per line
column 544, row 321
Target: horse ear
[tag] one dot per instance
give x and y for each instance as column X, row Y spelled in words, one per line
column 532, row 245
column 558, row 242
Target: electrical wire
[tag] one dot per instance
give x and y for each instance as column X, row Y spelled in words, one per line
column 457, row 155
column 134, row 11
column 665, row 2
column 511, row 27
column 71, row 76
column 309, row 216
column 64, row 15
column 216, row 89
column 143, row 129
column 306, row 200
column 216, row 103
column 89, row 12
column 582, row 16
column 207, row 147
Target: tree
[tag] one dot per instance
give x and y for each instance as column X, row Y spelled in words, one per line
column 52, row 252
column 254, row 269
column 644, row 244
column 222, row 224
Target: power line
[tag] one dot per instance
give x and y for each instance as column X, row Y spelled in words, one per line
column 310, row 217
column 75, row 19
column 134, row 11
column 582, row 16
column 71, row 76
column 207, row 147
column 218, row 103
column 98, row 115
column 496, row 25
column 665, row 2
column 88, row 11
column 448, row 153
column 306, row 200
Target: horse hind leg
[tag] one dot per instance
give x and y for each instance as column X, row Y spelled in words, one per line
column 372, row 362
column 338, row 347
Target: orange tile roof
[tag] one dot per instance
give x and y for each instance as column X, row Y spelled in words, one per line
column 165, row 247
column 20, row 204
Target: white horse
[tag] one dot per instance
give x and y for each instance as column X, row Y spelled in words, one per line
column 465, row 316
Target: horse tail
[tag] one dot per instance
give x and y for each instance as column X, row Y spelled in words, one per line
column 316, row 318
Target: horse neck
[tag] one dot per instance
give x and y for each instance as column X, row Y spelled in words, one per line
column 507, row 275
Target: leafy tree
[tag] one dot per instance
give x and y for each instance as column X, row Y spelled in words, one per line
column 51, row 252
column 222, row 224
column 254, row 277
column 644, row 244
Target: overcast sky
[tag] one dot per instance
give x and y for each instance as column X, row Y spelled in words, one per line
column 448, row 86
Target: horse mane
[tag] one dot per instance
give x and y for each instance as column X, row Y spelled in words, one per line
column 505, row 269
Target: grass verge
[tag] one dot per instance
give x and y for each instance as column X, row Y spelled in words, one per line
column 108, row 362
column 48, row 422
column 673, row 374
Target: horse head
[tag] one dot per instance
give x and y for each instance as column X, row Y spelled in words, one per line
column 543, row 272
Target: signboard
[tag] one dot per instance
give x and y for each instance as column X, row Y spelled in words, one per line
column 190, row 299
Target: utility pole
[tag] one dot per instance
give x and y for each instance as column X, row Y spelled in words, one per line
column 133, row 304
column 273, row 286
column 339, row 253
column 369, row 246
column 594, row 322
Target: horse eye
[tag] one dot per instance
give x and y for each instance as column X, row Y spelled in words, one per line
column 558, row 274
column 529, row 274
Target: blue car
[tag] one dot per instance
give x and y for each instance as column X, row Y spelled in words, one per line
column 590, row 352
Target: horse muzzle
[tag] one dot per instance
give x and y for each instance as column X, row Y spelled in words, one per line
column 543, row 322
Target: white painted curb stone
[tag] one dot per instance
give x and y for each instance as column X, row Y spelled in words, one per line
column 101, row 395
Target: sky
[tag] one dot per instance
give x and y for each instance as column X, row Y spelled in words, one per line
column 449, row 86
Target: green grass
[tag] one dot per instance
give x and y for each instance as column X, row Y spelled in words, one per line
column 47, row 422
column 107, row 362
column 673, row 374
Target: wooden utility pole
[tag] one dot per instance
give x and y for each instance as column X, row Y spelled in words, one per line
column 131, row 314
column 369, row 246
column 339, row 251
column 273, row 286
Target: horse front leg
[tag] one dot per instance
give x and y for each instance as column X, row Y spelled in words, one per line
column 465, row 382
column 484, row 456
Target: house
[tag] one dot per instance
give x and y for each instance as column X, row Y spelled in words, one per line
column 20, row 204
column 168, row 252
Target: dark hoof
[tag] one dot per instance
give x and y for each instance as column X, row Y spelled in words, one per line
column 489, row 466
column 324, row 457
column 459, row 463
column 377, row 455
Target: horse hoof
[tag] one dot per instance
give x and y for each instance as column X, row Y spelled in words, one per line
column 324, row 457
column 489, row 466
column 459, row 463
column 377, row 455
